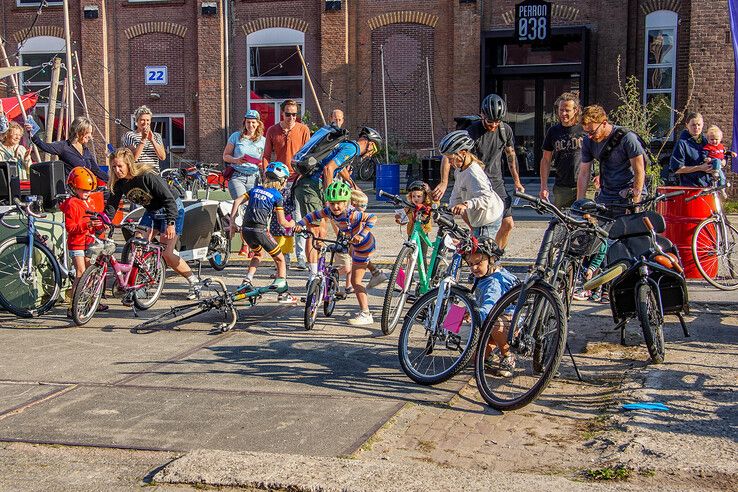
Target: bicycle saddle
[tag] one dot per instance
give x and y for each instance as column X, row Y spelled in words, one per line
column 139, row 241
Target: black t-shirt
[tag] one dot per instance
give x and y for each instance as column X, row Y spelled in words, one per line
column 565, row 142
column 148, row 190
column 489, row 148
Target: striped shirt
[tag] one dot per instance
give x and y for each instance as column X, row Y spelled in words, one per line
column 352, row 222
column 148, row 154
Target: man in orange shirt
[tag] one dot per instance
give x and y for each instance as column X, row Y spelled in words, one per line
column 283, row 140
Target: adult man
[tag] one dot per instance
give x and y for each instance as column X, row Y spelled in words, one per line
column 492, row 137
column 337, row 118
column 563, row 147
column 284, row 139
column 621, row 156
column 308, row 191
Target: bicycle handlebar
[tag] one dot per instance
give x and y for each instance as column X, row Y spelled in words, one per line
column 544, row 205
column 707, row 191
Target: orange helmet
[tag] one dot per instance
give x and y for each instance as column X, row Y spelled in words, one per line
column 82, row 179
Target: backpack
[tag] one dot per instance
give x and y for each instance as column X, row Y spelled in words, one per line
column 317, row 148
column 615, row 139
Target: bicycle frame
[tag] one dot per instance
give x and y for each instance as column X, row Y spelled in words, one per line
column 417, row 238
column 444, row 288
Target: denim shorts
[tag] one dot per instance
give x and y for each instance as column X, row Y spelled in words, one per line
column 240, row 184
column 489, row 230
column 157, row 219
column 76, row 252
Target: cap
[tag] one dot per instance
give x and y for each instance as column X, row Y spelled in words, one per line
column 252, row 114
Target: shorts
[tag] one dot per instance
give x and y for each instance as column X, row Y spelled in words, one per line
column 76, row 253
column 489, row 230
column 342, row 261
column 286, row 244
column 259, row 239
column 309, row 195
column 360, row 252
column 507, row 211
column 157, row 220
column 563, row 196
column 241, row 184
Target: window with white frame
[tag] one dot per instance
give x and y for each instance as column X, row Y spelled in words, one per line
column 659, row 74
column 275, row 72
column 36, row 3
column 171, row 127
column 39, row 52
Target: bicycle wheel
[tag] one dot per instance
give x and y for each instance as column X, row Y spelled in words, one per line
column 152, row 271
column 565, row 283
column 312, row 301
column 87, row 294
column 537, row 345
column 716, row 254
column 652, row 323
column 366, row 169
column 219, row 249
column 28, row 293
column 330, row 304
column 402, row 281
column 432, row 354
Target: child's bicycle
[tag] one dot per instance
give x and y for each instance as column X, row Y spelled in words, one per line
column 411, row 275
column 139, row 276
column 324, row 286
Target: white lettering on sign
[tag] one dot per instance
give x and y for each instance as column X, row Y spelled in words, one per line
column 532, row 22
column 531, row 10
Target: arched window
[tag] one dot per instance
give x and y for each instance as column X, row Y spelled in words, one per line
column 275, row 72
column 39, row 52
column 660, row 65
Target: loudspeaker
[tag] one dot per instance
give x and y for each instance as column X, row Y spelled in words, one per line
column 47, row 181
column 9, row 182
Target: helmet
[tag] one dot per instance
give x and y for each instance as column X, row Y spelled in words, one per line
column 278, row 170
column 418, row 185
column 455, row 141
column 372, row 135
column 493, row 107
column 82, row 178
column 488, row 246
column 583, row 206
column 338, row 191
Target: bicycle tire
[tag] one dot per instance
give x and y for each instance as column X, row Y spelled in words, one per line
column 89, row 288
column 445, row 365
column 330, row 304
column 548, row 348
column 367, row 169
column 141, row 300
column 221, row 253
column 312, row 299
column 652, row 323
column 391, row 313
column 705, row 254
column 22, row 303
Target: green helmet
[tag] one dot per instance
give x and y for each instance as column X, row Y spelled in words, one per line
column 338, row 191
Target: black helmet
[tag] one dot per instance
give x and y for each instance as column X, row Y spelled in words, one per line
column 488, row 246
column 493, row 108
column 583, row 206
column 372, row 135
column 455, row 141
column 418, row 185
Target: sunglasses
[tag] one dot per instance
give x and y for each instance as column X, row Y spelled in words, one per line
column 592, row 132
column 490, row 122
column 291, row 115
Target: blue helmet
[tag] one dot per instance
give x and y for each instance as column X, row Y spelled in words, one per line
column 277, row 170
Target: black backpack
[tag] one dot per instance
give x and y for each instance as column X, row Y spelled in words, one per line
column 615, row 139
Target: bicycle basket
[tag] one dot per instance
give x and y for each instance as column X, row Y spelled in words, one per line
column 105, row 246
column 584, row 243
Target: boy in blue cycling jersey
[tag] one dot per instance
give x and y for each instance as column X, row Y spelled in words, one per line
column 493, row 281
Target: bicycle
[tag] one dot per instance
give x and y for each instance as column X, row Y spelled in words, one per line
column 194, row 177
column 411, row 272
column 441, row 329
column 140, row 279
column 324, row 286
column 31, row 276
column 533, row 315
column 366, row 169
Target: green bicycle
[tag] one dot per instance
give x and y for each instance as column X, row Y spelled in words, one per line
column 411, row 275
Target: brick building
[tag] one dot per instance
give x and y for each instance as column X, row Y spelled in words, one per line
column 210, row 60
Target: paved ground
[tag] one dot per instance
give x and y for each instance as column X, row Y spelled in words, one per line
column 101, row 407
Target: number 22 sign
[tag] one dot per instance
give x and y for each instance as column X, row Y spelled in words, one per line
column 156, row 75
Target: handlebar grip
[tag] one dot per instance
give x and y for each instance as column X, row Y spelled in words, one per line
column 690, row 198
column 525, row 196
column 441, row 220
column 648, row 223
column 674, row 194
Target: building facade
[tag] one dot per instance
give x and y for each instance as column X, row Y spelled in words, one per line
column 200, row 64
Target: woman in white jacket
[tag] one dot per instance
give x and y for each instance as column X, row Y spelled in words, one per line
column 472, row 197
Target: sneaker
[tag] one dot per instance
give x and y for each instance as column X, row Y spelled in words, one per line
column 244, row 251
column 127, row 300
column 605, row 297
column 102, row 307
column 378, row 277
column 581, row 295
column 362, row 319
column 245, row 287
column 279, row 284
column 287, row 298
column 507, row 366
column 301, row 265
column 194, row 291
column 596, row 296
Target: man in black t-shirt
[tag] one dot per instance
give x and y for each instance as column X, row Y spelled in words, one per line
column 563, row 147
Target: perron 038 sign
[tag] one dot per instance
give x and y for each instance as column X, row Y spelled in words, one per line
column 533, row 21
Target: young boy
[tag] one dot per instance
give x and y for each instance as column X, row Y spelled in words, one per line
column 715, row 151
column 265, row 200
column 357, row 225
column 493, row 282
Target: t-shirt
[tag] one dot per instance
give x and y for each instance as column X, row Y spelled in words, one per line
column 616, row 174
column 262, row 202
column 715, row 151
column 565, row 142
column 489, row 148
column 246, row 146
column 148, row 154
column 342, row 155
column 491, row 288
column 285, row 144
column 148, row 190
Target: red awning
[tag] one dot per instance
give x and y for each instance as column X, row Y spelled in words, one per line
column 11, row 108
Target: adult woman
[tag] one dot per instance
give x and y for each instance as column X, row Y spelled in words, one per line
column 12, row 150
column 140, row 184
column 243, row 153
column 147, row 146
column 688, row 161
column 73, row 151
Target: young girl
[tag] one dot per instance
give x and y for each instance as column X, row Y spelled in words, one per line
column 283, row 235
column 472, row 197
column 419, row 194
column 265, row 203
column 77, row 222
column 140, row 184
column 358, row 226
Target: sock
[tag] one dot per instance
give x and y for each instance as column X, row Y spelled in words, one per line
column 250, row 277
column 192, row 279
column 313, row 268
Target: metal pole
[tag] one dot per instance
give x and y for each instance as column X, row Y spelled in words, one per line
column 14, row 83
column 384, row 107
column 227, row 64
column 430, row 105
column 70, row 76
column 310, row 83
column 65, row 103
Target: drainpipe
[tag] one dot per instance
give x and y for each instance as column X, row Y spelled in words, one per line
column 227, row 65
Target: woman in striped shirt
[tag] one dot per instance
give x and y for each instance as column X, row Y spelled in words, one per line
column 147, row 146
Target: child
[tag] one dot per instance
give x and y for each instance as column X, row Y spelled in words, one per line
column 265, row 202
column 419, row 194
column 77, row 222
column 360, row 201
column 357, row 225
column 472, row 196
column 715, row 152
column 493, row 282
